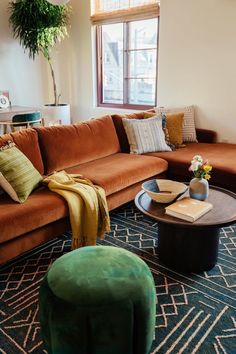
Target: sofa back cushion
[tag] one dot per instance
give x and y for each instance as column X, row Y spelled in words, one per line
column 66, row 146
column 27, row 142
column 120, row 130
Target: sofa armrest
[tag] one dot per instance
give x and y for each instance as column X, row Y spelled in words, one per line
column 206, row 136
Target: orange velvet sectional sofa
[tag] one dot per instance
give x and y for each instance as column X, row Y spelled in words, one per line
column 222, row 156
column 98, row 150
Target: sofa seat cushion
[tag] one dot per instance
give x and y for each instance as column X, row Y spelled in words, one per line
column 119, row 171
column 221, row 156
column 66, row 146
column 41, row 208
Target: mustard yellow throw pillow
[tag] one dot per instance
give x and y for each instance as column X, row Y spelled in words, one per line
column 174, row 124
column 18, row 177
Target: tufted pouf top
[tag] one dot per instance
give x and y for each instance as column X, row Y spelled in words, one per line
column 99, row 275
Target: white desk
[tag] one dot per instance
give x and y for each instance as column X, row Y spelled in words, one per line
column 6, row 115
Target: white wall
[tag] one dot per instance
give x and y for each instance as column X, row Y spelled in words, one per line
column 27, row 80
column 197, row 61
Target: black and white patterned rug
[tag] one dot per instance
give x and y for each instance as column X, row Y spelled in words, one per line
column 196, row 313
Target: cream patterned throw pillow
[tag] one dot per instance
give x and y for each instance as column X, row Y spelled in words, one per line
column 18, row 177
column 145, row 135
column 189, row 129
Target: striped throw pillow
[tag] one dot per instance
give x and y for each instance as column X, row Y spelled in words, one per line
column 18, row 177
column 189, row 129
column 164, row 126
column 145, row 135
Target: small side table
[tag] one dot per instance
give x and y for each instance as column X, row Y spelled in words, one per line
column 191, row 247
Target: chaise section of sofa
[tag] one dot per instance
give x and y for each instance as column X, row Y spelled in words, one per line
column 220, row 155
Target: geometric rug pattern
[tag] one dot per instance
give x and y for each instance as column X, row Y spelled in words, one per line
column 196, row 313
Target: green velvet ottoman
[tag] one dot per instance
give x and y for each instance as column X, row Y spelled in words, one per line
column 98, row 300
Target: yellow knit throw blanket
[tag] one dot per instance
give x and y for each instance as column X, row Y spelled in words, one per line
column 89, row 216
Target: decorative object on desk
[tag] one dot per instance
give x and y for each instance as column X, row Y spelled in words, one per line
column 39, row 26
column 6, row 94
column 188, row 209
column 199, row 187
column 4, row 101
column 164, row 190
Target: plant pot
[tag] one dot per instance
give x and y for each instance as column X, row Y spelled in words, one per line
column 56, row 114
column 199, row 188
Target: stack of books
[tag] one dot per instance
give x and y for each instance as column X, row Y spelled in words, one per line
column 188, row 209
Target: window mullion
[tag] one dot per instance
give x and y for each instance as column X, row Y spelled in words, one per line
column 157, row 58
column 99, row 49
column 126, row 62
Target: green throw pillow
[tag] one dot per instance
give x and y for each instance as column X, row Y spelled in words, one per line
column 18, row 177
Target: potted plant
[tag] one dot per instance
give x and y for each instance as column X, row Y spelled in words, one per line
column 39, row 25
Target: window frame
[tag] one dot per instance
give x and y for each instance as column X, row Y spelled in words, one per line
column 99, row 67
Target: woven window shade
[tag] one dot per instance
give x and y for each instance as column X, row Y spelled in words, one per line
column 112, row 11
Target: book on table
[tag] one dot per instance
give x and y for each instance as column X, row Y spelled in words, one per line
column 188, row 209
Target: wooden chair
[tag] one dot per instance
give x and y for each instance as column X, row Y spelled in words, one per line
column 26, row 120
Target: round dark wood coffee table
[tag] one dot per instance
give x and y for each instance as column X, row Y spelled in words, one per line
column 185, row 246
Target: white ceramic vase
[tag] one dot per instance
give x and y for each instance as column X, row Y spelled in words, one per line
column 199, row 188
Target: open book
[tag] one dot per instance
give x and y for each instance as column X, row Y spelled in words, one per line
column 188, row 209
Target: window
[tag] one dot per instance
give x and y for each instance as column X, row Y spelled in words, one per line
column 127, row 53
